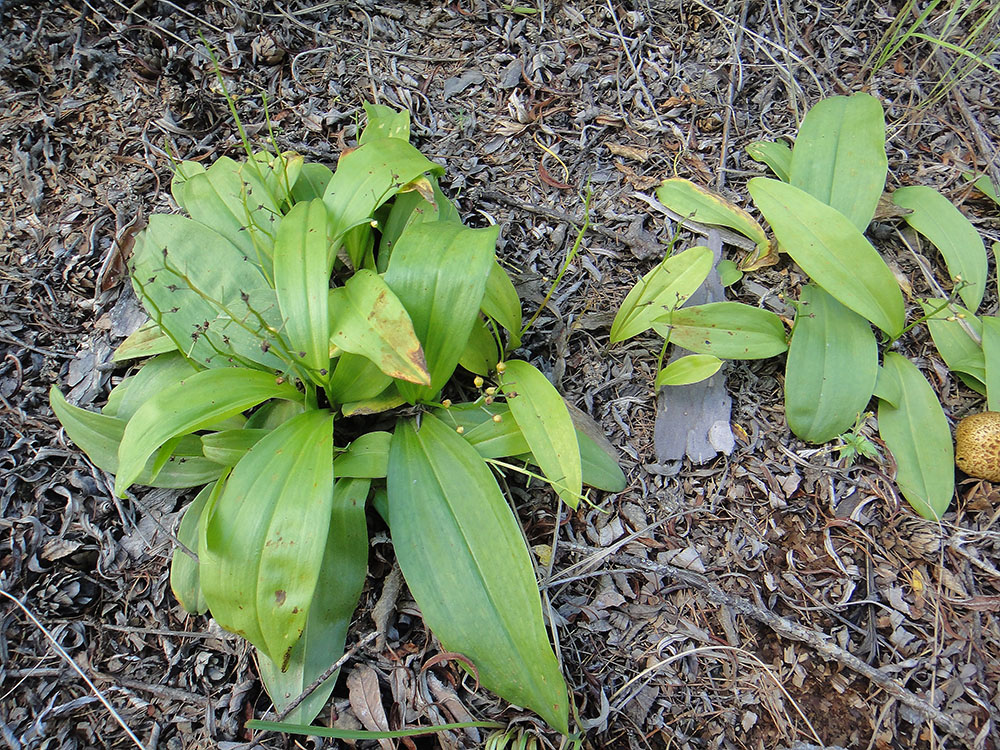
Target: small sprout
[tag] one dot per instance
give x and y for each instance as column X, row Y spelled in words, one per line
column 497, row 418
column 446, row 403
column 478, row 382
column 460, row 430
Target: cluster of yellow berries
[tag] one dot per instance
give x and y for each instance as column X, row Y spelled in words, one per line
column 488, row 396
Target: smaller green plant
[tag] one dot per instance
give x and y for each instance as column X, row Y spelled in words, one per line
column 854, row 443
column 828, row 190
column 308, row 331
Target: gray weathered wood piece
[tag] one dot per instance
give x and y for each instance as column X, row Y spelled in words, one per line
column 693, row 420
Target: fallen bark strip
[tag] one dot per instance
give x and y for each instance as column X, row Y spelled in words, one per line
column 821, row 642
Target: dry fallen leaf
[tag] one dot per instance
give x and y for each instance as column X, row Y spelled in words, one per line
column 366, row 701
column 629, row 152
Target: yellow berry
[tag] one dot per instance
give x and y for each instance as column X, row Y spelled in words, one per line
column 478, row 382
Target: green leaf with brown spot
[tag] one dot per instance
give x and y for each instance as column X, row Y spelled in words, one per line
column 728, row 330
column 706, row 207
column 262, row 542
column 367, row 318
column 341, row 579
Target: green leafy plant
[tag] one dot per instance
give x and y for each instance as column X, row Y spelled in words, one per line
column 303, row 325
column 830, row 186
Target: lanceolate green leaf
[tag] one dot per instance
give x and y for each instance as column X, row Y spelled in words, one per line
column 690, row 369
column 919, row 437
column 367, row 318
column 302, row 284
column 312, row 182
column 839, row 156
column 184, row 577
column 541, row 414
column 233, row 200
column 442, row 303
column 264, row 539
column 183, row 171
column 481, row 354
column 385, row 122
column 832, row 251
column 464, row 559
column 957, row 339
column 227, row 447
column 991, row 356
column 728, row 330
column 706, row 207
column 935, row 217
column 341, row 578
column 147, row 341
column 831, row 368
column 187, row 275
column 502, row 303
column 99, row 436
column 367, row 177
column 366, row 457
column 502, row 438
column 158, row 373
column 664, row 288
column 198, row 402
column 356, row 378
column 775, row 155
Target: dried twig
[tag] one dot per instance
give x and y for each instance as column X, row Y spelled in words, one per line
column 821, row 642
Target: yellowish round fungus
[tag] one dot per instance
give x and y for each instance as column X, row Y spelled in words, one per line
column 977, row 446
